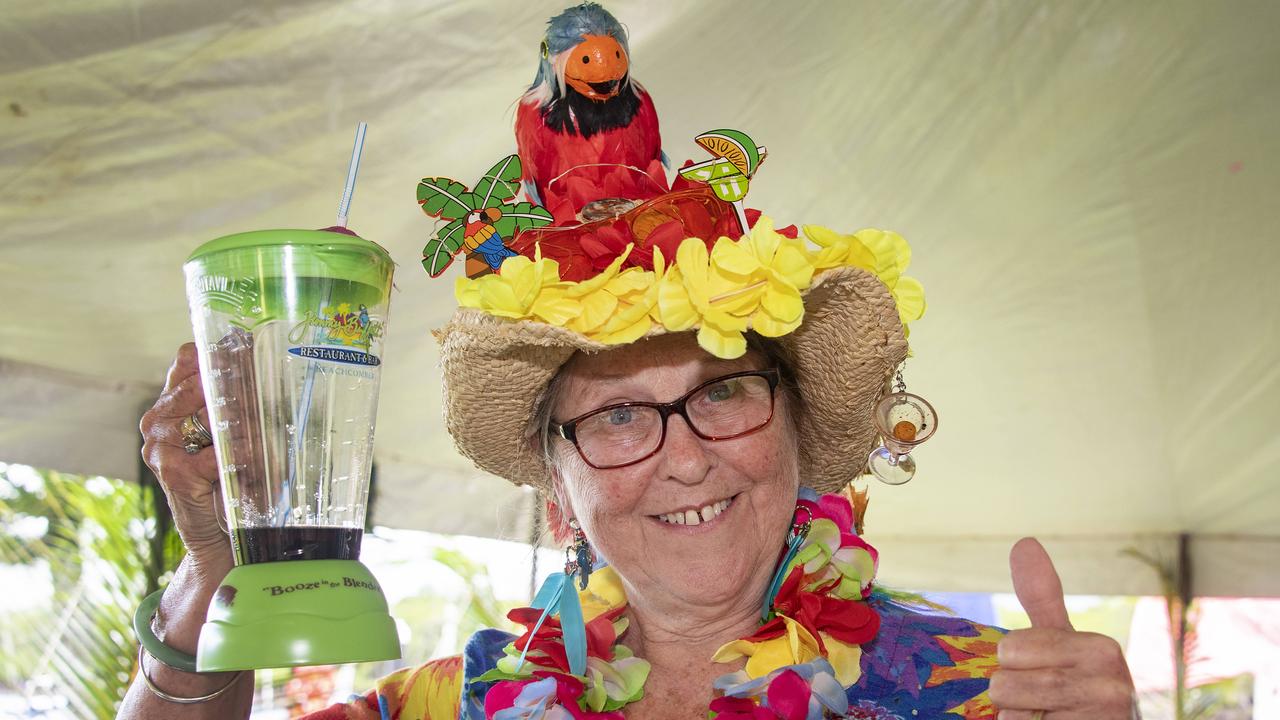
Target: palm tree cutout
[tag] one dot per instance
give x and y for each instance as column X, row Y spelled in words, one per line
column 481, row 220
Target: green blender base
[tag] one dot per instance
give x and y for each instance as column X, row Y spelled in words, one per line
column 297, row 612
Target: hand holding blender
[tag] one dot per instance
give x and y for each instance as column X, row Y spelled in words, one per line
column 289, row 326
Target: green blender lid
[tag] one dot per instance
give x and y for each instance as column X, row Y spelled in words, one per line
column 247, row 274
column 334, row 254
column 323, row 238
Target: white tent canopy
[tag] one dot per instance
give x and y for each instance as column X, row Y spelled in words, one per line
column 1090, row 190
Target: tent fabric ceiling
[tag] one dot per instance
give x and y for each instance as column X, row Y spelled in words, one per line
column 1089, row 188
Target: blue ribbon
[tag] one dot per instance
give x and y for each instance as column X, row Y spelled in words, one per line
column 557, row 595
column 793, row 547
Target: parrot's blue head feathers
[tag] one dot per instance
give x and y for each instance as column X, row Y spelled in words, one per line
column 564, row 32
column 567, row 29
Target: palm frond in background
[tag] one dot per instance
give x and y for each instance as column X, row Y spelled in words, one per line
column 76, row 555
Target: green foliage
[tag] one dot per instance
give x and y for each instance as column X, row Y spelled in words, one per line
column 499, row 184
column 445, row 198
column 87, row 544
column 440, row 250
column 482, row 609
column 521, row 216
column 441, row 621
column 1227, row 699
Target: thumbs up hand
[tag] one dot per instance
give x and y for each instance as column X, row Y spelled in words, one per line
column 1049, row 670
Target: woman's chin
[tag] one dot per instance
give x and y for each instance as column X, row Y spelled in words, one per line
column 707, row 581
column 707, row 573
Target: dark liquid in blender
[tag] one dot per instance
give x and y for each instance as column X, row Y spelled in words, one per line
column 298, row 543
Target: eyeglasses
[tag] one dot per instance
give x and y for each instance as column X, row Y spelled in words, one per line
column 626, row 433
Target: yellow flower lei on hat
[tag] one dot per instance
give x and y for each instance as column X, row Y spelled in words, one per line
column 754, row 282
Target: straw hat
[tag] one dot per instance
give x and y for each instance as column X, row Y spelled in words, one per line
column 678, row 262
column 844, row 352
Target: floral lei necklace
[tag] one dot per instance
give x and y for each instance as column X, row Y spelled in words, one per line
column 800, row 659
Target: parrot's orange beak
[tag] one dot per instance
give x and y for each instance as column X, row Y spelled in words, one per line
column 597, row 67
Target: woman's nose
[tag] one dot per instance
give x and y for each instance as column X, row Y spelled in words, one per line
column 684, row 454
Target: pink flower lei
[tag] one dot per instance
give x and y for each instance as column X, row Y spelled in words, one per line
column 799, row 661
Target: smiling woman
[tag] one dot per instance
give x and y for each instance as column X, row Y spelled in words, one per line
column 686, row 468
column 692, row 393
column 645, row 513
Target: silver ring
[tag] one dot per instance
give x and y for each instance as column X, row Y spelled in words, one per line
column 195, row 436
column 195, row 420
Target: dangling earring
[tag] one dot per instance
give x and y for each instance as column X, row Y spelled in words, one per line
column 579, row 558
column 904, row 421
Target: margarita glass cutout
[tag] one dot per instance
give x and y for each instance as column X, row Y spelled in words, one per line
column 737, row 157
column 481, row 220
column 903, row 421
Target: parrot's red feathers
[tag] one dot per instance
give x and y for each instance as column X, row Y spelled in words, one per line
column 591, row 163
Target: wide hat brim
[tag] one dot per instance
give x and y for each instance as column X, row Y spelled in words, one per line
column 843, row 354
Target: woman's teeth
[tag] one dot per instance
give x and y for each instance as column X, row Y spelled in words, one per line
column 696, row 517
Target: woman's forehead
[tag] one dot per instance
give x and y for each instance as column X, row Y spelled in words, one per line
column 676, row 354
column 658, row 369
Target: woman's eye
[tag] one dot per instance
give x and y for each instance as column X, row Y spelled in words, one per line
column 720, row 392
column 619, row 416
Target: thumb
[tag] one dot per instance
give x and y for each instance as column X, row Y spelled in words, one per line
column 1037, row 585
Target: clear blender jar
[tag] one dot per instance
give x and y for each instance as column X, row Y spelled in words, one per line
column 290, row 327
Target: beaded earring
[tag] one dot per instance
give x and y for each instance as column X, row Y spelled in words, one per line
column 579, row 558
column 557, row 596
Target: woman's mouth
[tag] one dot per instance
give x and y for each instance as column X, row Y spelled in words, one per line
column 700, row 516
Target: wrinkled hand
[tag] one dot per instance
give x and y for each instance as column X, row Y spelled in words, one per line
column 1051, row 667
column 190, row 482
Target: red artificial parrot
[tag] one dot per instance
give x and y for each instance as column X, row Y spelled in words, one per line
column 585, row 130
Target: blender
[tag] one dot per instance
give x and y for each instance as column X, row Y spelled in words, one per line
column 289, row 326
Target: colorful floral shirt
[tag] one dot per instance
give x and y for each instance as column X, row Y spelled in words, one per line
column 830, row 644
column 920, row 666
